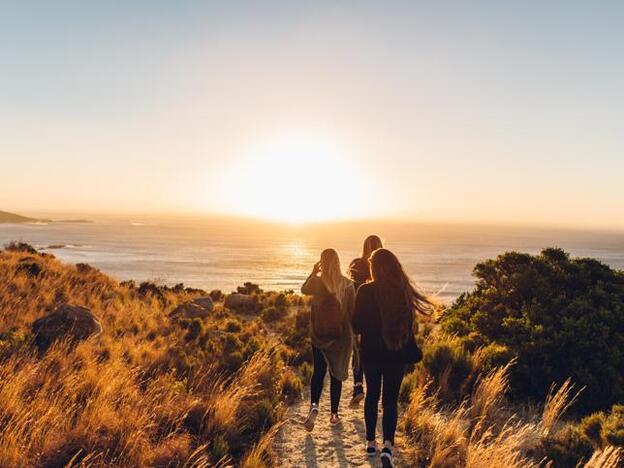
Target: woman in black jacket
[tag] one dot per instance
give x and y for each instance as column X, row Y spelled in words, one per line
column 384, row 318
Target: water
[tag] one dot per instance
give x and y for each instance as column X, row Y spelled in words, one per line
column 224, row 253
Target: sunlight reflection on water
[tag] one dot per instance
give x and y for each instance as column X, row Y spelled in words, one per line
column 217, row 255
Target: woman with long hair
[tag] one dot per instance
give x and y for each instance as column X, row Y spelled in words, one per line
column 359, row 271
column 333, row 297
column 384, row 316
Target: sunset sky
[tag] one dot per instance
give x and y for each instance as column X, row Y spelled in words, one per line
column 301, row 111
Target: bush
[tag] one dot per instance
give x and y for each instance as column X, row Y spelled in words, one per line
column 291, row 386
column 604, row 429
column 562, row 318
column 495, row 355
column 15, row 246
column 249, row 288
column 613, row 427
column 280, row 301
column 29, row 268
column 233, row 326
column 410, row 382
column 216, row 295
column 305, row 368
column 273, row 314
column 450, row 366
column 568, row 447
column 591, row 427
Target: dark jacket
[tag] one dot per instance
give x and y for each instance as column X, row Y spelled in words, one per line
column 359, row 271
column 367, row 323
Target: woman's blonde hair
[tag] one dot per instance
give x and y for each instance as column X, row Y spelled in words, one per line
column 371, row 243
column 331, row 274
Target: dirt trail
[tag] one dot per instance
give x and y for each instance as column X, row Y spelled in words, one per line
column 342, row 445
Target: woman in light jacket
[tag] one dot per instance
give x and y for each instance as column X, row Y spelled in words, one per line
column 335, row 352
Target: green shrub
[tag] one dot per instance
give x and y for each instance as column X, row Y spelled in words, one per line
column 563, row 318
column 613, row 426
column 450, row 366
column 410, row 382
column 219, row 448
column 495, row 355
column 263, row 416
column 591, row 427
column 568, row 447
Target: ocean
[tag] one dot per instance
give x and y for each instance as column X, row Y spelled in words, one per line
column 222, row 253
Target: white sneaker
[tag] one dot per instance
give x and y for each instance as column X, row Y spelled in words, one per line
column 309, row 422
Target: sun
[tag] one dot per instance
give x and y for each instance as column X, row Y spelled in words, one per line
column 294, row 178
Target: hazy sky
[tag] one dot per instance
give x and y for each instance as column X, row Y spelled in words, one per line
column 486, row 111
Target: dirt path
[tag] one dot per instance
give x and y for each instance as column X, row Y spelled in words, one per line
column 342, row 445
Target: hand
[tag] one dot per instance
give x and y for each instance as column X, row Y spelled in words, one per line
column 316, row 268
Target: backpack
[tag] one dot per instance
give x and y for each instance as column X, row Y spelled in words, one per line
column 328, row 318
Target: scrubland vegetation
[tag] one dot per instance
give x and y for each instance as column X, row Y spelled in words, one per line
column 526, row 370
column 150, row 389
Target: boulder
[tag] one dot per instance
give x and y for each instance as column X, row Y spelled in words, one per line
column 66, row 321
column 190, row 310
column 240, row 301
column 205, row 302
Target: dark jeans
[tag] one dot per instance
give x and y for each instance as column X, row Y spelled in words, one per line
column 388, row 376
column 358, row 372
column 318, row 376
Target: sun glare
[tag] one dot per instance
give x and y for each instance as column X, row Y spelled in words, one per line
column 294, row 179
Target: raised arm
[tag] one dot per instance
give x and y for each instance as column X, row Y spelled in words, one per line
column 310, row 286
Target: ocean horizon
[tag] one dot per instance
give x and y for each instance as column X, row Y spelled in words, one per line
column 222, row 253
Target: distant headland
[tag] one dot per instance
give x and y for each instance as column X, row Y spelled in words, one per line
column 6, row 217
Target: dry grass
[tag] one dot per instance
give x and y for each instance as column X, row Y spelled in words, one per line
column 557, row 403
column 143, row 393
column 609, row 457
column 483, row 431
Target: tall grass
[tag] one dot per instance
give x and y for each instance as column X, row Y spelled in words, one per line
column 483, row 430
column 146, row 392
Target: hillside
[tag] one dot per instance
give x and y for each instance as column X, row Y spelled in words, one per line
column 6, row 217
column 178, row 377
column 154, row 388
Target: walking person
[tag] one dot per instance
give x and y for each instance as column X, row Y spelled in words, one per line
column 359, row 271
column 333, row 297
column 384, row 316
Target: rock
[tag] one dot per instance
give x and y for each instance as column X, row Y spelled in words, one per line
column 240, row 301
column 66, row 321
column 190, row 310
column 205, row 302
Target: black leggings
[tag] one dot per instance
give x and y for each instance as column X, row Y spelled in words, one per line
column 392, row 376
column 358, row 372
column 318, row 376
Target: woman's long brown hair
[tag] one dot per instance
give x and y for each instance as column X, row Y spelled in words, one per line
column 397, row 298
